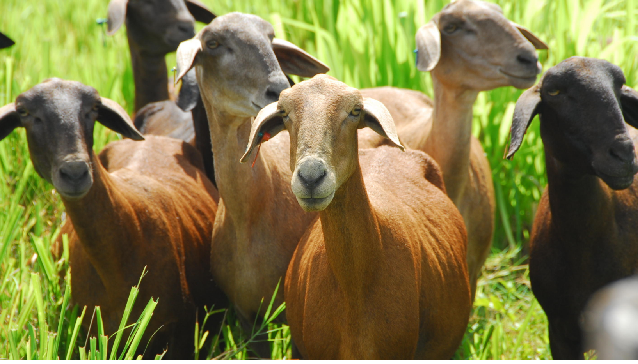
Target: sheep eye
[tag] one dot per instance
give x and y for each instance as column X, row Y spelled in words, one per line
column 212, row 44
column 96, row 107
column 449, row 29
column 22, row 111
column 356, row 111
column 553, row 92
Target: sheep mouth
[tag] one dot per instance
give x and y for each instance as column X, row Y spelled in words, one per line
column 517, row 77
column 616, row 182
column 315, row 204
column 257, row 106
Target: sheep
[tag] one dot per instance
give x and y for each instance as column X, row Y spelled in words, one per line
column 137, row 204
column 382, row 273
column 584, row 233
column 154, row 29
column 468, row 47
column 240, row 68
column 611, row 320
column 5, row 41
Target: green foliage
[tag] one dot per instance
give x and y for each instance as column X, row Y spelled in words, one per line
column 367, row 44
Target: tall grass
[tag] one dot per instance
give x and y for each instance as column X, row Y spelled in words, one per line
column 367, row 44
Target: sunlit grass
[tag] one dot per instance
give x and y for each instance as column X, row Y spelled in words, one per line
column 367, row 44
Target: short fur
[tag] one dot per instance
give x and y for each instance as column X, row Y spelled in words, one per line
column 137, row 204
column 382, row 273
column 584, row 234
column 258, row 224
column 468, row 47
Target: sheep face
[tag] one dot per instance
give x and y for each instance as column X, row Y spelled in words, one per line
column 470, row 44
column 583, row 105
column 322, row 116
column 59, row 117
column 234, row 55
column 157, row 27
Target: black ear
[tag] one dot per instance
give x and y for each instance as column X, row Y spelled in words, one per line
column 526, row 108
column 629, row 105
column 200, row 12
column 111, row 115
column 269, row 120
column 117, row 14
column 5, row 41
column 9, row 120
column 189, row 92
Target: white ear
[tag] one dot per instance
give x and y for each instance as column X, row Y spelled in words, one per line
column 378, row 118
column 269, row 120
column 116, row 16
column 186, row 54
column 428, row 45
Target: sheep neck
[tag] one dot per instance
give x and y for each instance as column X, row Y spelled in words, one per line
column 150, row 75
column 449, row 140
column 352, row 239
column 103, row 220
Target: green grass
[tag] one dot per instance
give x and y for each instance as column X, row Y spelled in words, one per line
column 366, row 43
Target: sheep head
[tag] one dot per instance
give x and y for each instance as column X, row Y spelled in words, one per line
column 583, row 106
column 59, row 117
column 322, row 116
column 240, row 65
column 470, row 44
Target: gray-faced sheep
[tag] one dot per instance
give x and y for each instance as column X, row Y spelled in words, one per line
column 584, row 234
column 139, row 203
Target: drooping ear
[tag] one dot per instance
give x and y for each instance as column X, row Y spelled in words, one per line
column 114, row 117
column 629, row 105
column 526, row 108
column 295, row 60
column 186, row 54
column 536, row 42
column 189, row 92
column 269, row 120
column 5, row 41
column 9, row 120
column 200, row 12
column 117, row 14
column 377, row 117
column 428, row 46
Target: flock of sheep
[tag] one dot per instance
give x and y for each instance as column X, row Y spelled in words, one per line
column 373, row 207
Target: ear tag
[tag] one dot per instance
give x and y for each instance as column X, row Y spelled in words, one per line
column 262, row 138
column 101, row 22
column 416, row 56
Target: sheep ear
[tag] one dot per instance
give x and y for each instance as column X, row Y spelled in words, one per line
column 5, row 41
column 200, row 12
column 186, row 56
column 295, row 60
column 117, row 14
column 526, row 108
column 9, row 120
column 377, row 117
column 114, row 117
column 536, row 42
column 189, row 92
column 629, row 104
column 428, row 46
column 269, row 120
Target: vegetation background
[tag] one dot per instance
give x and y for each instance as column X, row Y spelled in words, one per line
column 367, row 44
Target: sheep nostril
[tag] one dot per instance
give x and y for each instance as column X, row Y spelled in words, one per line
column 312, row 178
column 623, row 153
column 526, row 60
column 74, row 172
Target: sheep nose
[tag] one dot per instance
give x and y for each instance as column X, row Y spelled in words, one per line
column 623, row 151
column 74, row 172
column 311, row 173
column 527, row 59
column 274, row 90
column 186, row 28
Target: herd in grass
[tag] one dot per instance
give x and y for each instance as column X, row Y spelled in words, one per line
column 373, row 207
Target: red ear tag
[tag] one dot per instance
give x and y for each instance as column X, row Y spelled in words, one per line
column 264, row 137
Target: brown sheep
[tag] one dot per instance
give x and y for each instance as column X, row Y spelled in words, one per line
column 382, row 273
column 468, row 47
column 139, row 203
column 584, row 234
column 240, row 68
